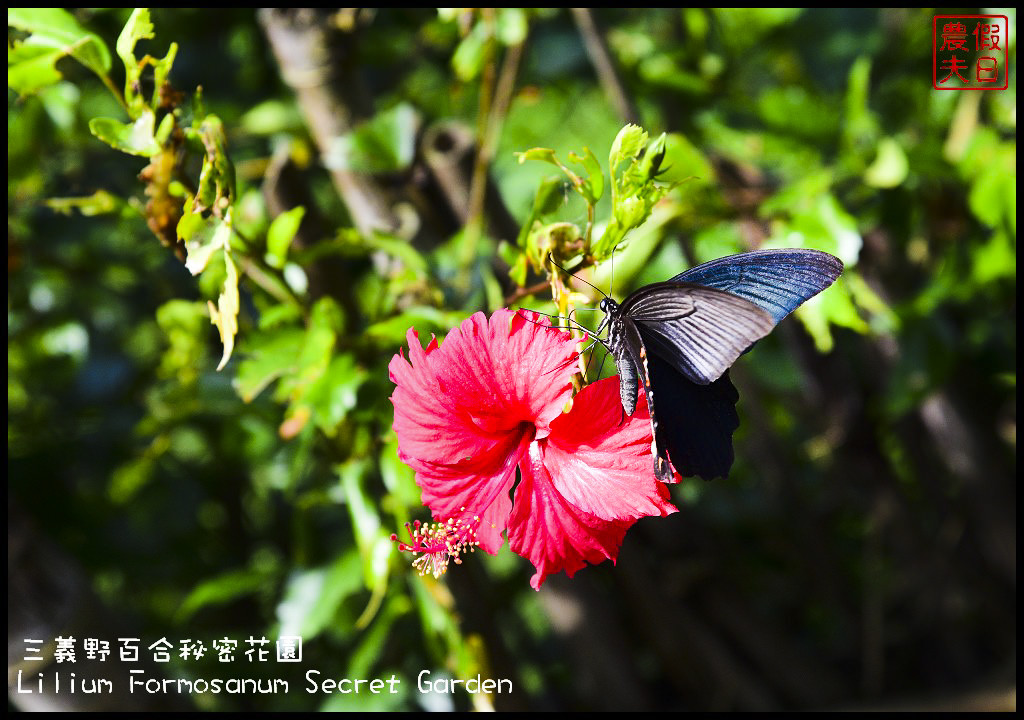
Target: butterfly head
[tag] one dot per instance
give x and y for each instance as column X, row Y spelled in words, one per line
column 608, row 306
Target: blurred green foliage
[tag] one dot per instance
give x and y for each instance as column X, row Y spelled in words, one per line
column 864, row 547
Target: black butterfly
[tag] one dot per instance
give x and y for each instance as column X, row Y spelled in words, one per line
column 681, row 336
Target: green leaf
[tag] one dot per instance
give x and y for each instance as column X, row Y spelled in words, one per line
column 137, row 28
column 562, row 239
column 860, row 127
column 184, row 323
column 426, row 320
column 128, row 479
column 538, row 153
column 396, row 246
column 511, row 25
column 203, row 237
column 135, row 139
column 549, row 197
column 58, row 31
column 890, row 167
column 366, row 521
column 994, row 260
column 268, row 356
column 225, row 314
column 851, row 292
column 271, row 117
column 684, row 161
column 626, row 147
column 630, row 212
column 31, row 68
column 385, row 144
column 280, row 235
column 654, row 155
column 468, row 58
column 399, row 479
column 517, row 272
column 636, row 255
column 312, row 598
column 333, row 395
column 217, row 178
column 161, row 69
column 592, row 187
column 323, row 385
column 221, row 590
column 163, row 133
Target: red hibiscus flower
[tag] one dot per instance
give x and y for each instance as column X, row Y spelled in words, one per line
column 490, row 400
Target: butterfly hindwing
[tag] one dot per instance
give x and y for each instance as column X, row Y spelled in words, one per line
column 695, row 423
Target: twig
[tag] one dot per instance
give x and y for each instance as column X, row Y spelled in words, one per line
column 597, row 49
column 524, row 291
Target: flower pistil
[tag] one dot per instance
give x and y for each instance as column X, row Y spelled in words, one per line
column 438, row 543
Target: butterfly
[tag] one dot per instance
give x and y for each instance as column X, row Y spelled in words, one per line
column 680, row 337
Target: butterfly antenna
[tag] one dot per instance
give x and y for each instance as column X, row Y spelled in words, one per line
column 611, row 280
column 586, row 368
column 600, row 367
column 552, row 260
column 577, row 325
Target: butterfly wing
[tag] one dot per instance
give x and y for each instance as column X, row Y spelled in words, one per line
column 694, row 423
column 778, row 281
column 699, row 330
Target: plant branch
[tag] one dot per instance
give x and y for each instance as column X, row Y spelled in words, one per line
column 597, row 49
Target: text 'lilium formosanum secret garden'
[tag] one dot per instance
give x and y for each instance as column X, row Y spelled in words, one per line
column 489, row 400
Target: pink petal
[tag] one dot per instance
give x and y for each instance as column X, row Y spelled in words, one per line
column 600, row 459
column 585, row 484
column 551, row 532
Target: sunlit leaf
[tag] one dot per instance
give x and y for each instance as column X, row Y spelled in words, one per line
column 890, row 166
column 280, row 235
column 387, row 143
column 32, row 67
column 469, row 56
column 626, row 147
column 225, row 314
column 202, row 239
column 312, row 597
column 267, row 356
column 137, row 138
column 366, row 520
column 55, row 33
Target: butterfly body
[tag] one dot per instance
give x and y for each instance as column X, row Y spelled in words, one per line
column 679, row 338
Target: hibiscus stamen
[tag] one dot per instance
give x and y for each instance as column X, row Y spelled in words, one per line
column 439, row 543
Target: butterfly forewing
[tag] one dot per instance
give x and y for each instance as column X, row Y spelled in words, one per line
column 778, row 281
column 700, row 331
